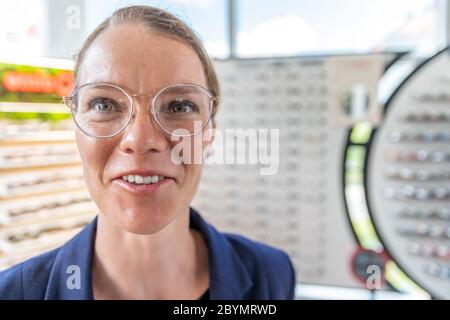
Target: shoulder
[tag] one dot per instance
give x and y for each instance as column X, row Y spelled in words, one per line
column 269, row 266
column 45, row 276
column 27, row 280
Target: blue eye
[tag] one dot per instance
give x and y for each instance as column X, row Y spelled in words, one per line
column 104, row 105
column 183, row 106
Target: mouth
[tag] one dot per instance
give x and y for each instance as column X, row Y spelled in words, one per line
column 143, row 180
column 142, row 183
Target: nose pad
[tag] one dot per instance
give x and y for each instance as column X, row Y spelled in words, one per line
column 143, row 133
column 143, row 105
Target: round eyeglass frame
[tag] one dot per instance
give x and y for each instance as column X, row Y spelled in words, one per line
column 214, row 100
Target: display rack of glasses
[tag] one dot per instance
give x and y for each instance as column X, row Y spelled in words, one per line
column 43, row 198
column 408, row 183
column 300, row 208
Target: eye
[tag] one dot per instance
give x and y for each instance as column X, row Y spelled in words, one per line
column 104, row 105
column 182, row 106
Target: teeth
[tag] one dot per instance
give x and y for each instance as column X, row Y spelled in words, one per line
column 138, row 179
column 142, row 180
column 148, row 180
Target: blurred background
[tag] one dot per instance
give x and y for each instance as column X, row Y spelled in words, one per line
column 41, row 27
column 358, row 90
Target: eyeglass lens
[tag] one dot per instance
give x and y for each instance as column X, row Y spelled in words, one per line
column 104, row 110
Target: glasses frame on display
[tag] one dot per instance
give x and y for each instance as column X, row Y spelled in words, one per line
column 214, row 100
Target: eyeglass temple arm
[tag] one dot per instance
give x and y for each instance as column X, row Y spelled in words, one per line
column 216, row 100
column 67, row 101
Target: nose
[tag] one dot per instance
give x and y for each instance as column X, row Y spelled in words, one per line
column 143, row 135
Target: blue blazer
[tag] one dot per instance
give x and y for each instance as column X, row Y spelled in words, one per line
column 239, row 269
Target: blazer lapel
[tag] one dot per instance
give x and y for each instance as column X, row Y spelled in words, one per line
column 71, row 275
column 229, row 277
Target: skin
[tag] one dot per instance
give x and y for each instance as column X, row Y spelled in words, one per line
column 144, row 248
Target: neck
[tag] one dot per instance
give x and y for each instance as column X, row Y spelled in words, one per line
column 170, row 264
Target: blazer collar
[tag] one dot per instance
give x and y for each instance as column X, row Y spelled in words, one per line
column 74, row 259
column 229, row 277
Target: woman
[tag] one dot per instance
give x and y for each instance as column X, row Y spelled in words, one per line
column 141, row 78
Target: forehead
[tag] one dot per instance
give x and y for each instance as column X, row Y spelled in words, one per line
column 139, row 59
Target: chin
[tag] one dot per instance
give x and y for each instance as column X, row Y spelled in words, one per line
column 143, row 221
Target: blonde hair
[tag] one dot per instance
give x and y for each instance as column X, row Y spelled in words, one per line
column 163, row 22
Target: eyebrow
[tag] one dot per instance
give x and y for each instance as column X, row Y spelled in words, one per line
column 150, row 92
column 179, row 89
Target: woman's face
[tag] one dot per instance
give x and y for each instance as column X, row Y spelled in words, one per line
column 140, row 61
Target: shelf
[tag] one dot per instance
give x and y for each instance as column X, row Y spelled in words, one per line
column 38, row 167
column 51, row 238
column 37, row 224
column 8, row 260
column 34, row 107
column 43, row 193
column 41, row 182
column 49, row 137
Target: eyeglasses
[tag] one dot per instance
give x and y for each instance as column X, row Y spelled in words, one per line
column 102, row 110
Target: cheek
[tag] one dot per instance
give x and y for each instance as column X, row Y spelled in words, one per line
column 193, row 172
column 192, row 150
column 191, row 182
column 94, row 155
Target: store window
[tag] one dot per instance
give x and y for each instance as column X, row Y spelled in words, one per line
column 264, row 27
column 51, row 27
column 21, row 27
column 292, row 27
column 206, row 17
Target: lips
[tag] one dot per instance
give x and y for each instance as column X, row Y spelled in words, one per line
column 142, row 189
column 142, row 173
column 142, row 182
